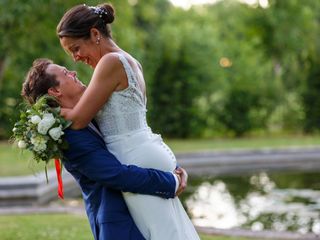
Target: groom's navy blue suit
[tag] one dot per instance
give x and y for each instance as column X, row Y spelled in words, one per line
column 102, row 178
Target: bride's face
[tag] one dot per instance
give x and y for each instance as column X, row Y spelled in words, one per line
column 84, row 50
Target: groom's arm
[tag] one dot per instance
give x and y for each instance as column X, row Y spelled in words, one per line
column 92, row 159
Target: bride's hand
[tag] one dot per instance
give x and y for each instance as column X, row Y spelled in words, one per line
column 183, row 179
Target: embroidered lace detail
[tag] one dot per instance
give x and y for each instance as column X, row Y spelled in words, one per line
column 125, row 111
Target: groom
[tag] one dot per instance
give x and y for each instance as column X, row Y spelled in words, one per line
column 100, row 175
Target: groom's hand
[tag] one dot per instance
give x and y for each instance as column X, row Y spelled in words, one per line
column 183, row 179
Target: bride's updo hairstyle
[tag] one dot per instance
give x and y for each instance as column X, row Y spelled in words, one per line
column 78, row 21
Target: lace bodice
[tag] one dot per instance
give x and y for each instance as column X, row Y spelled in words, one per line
column 125, row 111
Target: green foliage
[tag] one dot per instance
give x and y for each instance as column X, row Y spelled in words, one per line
column 236, row 111
column 181, row 76
column 245, row 91
column 294, row 46
column 311, row 100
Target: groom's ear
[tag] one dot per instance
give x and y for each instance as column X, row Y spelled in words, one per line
column 55, row 92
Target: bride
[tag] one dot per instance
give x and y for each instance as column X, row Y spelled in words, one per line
column 116, row 99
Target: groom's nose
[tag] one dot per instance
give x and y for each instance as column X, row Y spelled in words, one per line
column 73, row 73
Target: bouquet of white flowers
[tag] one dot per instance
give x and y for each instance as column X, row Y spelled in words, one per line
column 40, row 130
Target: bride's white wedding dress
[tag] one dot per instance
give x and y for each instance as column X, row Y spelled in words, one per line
column 122, row 121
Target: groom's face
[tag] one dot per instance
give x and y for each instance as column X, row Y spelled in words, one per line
column 69, row 85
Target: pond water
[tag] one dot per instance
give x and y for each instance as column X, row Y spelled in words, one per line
column 263, row 201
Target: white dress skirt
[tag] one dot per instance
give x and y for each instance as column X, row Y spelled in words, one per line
column 157, row 218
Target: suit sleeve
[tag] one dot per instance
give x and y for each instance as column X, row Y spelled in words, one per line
column 90, row 157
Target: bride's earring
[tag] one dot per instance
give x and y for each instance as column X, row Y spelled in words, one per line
column 98, row 41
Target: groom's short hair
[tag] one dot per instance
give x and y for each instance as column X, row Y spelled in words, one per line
column 38, row 81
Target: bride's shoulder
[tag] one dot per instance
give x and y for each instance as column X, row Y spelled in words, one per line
column 110, row 57
column 109, row 61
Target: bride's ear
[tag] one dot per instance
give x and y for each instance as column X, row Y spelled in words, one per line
column 54, row 92
column 95, row 35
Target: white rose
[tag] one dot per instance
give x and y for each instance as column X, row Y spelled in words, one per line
column 39, row 143
column 40, row 147
column 22, row 144
column 38, row 139
column 35, row 119
column 56, row 133
column 14, row 130
column 45, row 124
column 48, row 116
column 33, row 139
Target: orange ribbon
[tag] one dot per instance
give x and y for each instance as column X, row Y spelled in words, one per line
column 59, row 178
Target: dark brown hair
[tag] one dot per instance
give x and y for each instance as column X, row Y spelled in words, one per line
column 38, row 81
column 78, row 21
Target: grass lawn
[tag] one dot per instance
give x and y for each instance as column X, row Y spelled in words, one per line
column 56, row 227
column 13, row 163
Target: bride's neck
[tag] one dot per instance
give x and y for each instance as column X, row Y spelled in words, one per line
column 109, row 46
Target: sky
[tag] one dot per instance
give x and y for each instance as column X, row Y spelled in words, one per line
column 188, row 3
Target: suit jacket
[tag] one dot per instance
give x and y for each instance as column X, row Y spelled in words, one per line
column 102, row 178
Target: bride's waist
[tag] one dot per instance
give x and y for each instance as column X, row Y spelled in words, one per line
column 137, row 136
column 112, row 126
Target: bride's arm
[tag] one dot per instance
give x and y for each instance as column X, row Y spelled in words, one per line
column 108, row 76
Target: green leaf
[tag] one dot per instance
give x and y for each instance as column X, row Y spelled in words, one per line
column 46, row 172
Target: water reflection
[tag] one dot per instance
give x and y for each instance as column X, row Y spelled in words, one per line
column 257, row 202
